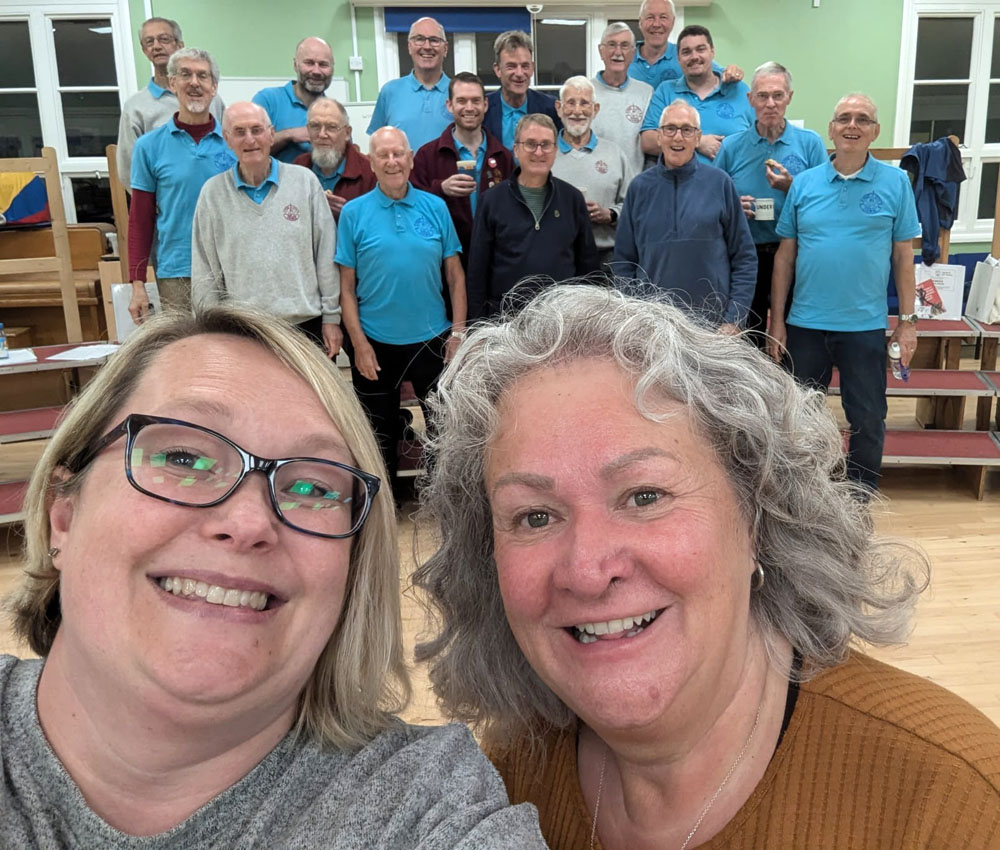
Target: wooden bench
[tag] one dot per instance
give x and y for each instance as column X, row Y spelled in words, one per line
column 12, row 501
column 990, row 335
column 34, row 424
column 994, row 379
column 972, row 452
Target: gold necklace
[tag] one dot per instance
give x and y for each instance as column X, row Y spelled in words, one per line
column 708, row 805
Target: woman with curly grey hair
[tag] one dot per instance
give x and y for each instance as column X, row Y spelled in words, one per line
column 651, row 580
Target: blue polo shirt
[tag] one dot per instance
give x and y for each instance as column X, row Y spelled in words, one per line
column 418, row 111
column 396, row 249
column 158, row 91
column 723, row 112
column 480, row 155
column 168, row 162
column 510, row 118
column 329, row 184
column 742, row 157
column 665, row 68
column 257, row 194
column 285, row 110
column 566, row 147
column 845, row 231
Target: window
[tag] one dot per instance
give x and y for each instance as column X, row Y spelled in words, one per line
column 950, row 85
column 65, row 68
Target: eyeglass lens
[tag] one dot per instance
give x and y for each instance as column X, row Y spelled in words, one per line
column 192, row 467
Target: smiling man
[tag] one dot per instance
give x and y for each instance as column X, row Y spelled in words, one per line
column 857, row 210
column 683, row 229
column 286, row 105
column 532, row 225
column 466, row 160
column 514, row 64
column 263, row 235
column 596, row 166
column 156, row 104
column 416, row 103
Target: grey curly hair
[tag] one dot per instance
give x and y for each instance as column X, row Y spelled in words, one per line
column 829, row 581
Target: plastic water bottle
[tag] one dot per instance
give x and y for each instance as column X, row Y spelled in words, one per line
column 899, row 371
column 4, row 353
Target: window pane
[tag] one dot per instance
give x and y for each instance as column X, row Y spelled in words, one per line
column 91, row 120
column 20, row 127
column 938, row 111
column 406, row 63
column 995, row 64
column 92, row 196
column 561, row 52
column 16, row 70
column 993, row 114
column 988, row 190
column 484, row 58
column 944, row 49
column 85, row 53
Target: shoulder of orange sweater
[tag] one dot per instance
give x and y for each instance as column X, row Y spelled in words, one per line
column 915, row 707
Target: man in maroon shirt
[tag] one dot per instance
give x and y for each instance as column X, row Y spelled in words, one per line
column 343, row 171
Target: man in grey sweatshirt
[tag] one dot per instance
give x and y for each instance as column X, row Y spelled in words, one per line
column 263, row 234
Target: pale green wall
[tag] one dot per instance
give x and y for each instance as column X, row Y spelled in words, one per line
column 252, row 38
column 843, row 46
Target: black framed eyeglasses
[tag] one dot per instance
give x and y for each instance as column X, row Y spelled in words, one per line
column 185, row 464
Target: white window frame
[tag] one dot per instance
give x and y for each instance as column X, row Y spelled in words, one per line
column 597, row 15
column 975, row 151
column 39, row 15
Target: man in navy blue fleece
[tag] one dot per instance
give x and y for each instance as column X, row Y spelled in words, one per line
column 683, row 229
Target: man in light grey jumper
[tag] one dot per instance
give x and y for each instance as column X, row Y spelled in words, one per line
column 596, row 166
column 155, row 104
column 263, row 234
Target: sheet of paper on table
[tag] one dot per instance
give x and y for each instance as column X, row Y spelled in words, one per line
column 86, row 352
column 18, row 355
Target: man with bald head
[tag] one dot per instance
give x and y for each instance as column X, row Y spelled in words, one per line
column 286, row 105
column 416, row 103
column 263, row 234
column 342, row 170
column 393, row 244
column 843, row 225
column 683, row 229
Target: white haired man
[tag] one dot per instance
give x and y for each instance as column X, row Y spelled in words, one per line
column 416, row 103
column 263, row 235
column 596, row 166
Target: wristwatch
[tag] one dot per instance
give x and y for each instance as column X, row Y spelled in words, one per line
column 614, row 215
column 912, row 318
column 459, row 335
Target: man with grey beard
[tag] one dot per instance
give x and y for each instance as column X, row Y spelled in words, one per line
column 343, row 171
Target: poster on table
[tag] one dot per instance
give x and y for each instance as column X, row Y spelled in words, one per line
column 939, row 291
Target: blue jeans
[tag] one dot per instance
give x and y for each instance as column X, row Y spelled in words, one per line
column 860, row 357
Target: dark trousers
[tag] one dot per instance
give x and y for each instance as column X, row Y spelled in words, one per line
column 420, row 363
column 757, row 320
column 860, row 357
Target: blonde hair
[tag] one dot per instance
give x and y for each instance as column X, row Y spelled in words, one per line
column 360, row 681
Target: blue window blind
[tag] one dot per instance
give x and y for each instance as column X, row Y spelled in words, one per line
column 459, row 18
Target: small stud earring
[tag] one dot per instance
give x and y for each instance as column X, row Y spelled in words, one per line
column 53, row 552
column 758, row 580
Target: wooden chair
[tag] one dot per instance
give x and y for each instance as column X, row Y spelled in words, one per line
column 119, row 206
column 48, row 166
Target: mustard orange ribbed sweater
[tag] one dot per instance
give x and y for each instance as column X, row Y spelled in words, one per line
column 873, row 759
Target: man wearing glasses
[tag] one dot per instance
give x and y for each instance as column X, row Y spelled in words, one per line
column 532, row 225
column 763, row 161
column 623, row 99
column 416, row 103
column 286, row 105
column 342, row 170
column 156, row 104
column 683, row 229
column 843, row 225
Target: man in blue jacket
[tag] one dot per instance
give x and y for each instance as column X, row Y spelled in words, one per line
column 514, row 64
column 683, row 229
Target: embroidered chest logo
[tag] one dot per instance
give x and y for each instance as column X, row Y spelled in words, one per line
column 291, row 212
column 601, row 167
column 794, row 163
column 423, row 227
column 634, row 113
column 725, row 110
column 671, row 74
column 871, row 203
column 224, row 160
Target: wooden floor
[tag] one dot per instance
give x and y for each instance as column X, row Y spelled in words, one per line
column 956, row 640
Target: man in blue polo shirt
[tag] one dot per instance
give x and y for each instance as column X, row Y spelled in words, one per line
column 169, row 167
column 763, row 161
column 391, row 245
column 841, row 225
column 416, row 103
column 287, row 105
column 722, row 106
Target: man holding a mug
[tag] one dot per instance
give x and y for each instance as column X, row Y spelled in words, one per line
column 763, row 160
column 465, row 160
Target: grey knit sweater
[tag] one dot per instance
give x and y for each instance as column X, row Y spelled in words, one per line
column 277, row 255
column 415, row 787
